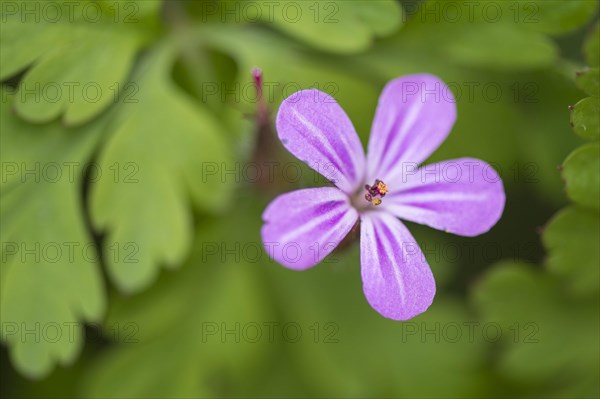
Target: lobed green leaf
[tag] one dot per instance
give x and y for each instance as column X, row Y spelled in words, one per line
column 51, row 282
column 571, row 238
column 164, row 152
column 585, row 118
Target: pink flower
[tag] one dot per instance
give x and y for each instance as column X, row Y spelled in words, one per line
column 414, row 116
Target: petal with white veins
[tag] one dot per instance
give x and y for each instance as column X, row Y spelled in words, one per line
column 462, row 196
column 315, row 129
column 414, row 116
column 302, row 227
column 397, row 280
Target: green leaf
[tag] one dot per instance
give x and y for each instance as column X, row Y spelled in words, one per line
column 184, row 322
column 440, row 335
column 585, row 118
column 555, row 17
column 550, row 340
column 589, row 81
column 50, row 281
column 336, row 26
column 571, row 238
column 217, row 299
column 164, row 152
column 591, row 47
column 78, row 65
column 581, row 172
column 500, row 46
column 446, row 30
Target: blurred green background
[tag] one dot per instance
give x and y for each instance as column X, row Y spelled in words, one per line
column 132, row 265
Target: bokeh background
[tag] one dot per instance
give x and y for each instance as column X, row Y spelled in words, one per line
column 135, row 168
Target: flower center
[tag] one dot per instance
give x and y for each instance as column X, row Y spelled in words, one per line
column 376, row 192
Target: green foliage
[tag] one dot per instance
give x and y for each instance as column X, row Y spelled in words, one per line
column 201, row 296
column 544, row 355
column 591, row 47
column 51, row 280
column 557, row 17
column 589, row 81
column 498, row 45
column 176, row 242
column 585, row 118
column 336, row 26
column 501, row 46
column 161, row 145
column 571, row 239
column 564, row 361
column 83, row 72
column 585, row 115
column 581, row 172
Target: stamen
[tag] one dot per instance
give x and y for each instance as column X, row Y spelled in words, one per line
column 375, row 192
column 382, row 188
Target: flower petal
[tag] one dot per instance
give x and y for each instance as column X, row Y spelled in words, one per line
column 313, row 127
column 304, row 226
column 396, row 278
column 414, row 116
column 463, row 196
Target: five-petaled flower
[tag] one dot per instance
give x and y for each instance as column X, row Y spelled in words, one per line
column 414, row 116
